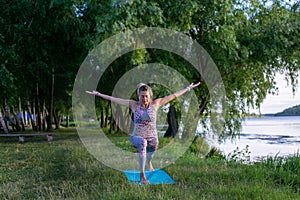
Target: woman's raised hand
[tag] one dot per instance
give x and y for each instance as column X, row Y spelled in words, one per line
column 94, row 92
column 193, row 85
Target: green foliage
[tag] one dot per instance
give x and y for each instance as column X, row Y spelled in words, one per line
column 7, row 85
column 250, row 41
column 240, row 155
column 239, row 36
column 38, row 37
column 215, row 154
column 199, row 146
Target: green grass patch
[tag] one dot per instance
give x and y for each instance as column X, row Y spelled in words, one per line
column 64, row 169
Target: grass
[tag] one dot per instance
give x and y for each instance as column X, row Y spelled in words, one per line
column 64, row 169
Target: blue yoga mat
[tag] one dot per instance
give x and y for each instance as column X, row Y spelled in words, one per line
column 158, row 176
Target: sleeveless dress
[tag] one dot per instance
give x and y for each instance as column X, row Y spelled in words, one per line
column 145, row 122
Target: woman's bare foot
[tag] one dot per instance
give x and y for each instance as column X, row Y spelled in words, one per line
column 143, row 179
column 150, row 166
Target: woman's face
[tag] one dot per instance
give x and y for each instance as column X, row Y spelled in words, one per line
column 144, row 97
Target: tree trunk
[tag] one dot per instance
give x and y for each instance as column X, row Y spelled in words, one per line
column 57, row 119
column 106, row 117
column 3, row 123
column 102, row 119
column 31, row 118
column 45, row 115
column 121, row 118
column 37, row 100
column 113, row 123
column 7, row 116
column 172, row 122
column 202, row 106
column 21, row 114
column 16, row 122
column 67, row 121
column 51, row 94
column 25, row 117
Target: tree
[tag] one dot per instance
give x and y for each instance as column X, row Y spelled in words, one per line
column 250, row 41
column 44, row 42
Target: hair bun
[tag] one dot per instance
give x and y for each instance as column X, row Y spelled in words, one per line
column 140, row 85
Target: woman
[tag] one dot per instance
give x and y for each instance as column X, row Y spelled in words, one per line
column 144, row 135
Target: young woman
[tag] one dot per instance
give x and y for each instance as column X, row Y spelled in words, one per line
column 144, row 135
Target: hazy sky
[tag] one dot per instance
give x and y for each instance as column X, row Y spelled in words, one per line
column 284, row 99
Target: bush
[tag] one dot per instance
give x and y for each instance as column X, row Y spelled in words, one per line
column 199, row 146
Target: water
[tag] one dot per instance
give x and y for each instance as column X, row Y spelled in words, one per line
column 267, row 136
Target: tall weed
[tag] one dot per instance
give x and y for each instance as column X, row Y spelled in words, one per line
column 284, row 170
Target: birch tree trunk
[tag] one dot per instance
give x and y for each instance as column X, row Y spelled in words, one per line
column 21, row 114
column 51, row 94
column 30, row 116
column 8, row 118
column 38, row 109
column 16, row 122
column 45, row 115
column 3, row 123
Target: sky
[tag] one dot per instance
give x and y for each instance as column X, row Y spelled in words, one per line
column 284, row 99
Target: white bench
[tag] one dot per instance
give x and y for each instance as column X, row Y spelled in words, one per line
column 23, row 135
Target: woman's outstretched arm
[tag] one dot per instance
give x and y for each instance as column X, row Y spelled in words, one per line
column 167, row 99
column 124, row 102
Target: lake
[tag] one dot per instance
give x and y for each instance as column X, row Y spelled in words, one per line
column 267, row 136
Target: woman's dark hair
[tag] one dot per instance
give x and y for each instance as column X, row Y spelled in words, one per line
column 144, row 87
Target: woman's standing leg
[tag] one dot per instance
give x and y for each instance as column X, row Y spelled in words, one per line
column 151, row 148
column 141, row 144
